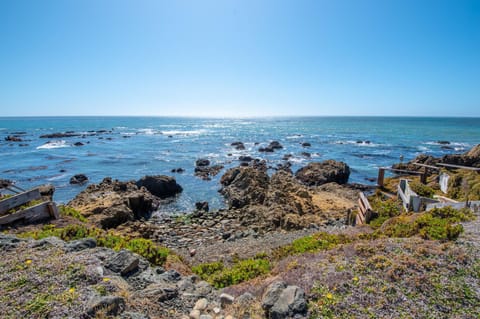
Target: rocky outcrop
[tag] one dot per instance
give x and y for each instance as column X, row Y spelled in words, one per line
column 79, row 179
column 60, row 135
column 244, row 186
column 204, row 170
column 160, row 185
column 319, row 173
column 112, row 203
column 13, row 138
column 283, row 301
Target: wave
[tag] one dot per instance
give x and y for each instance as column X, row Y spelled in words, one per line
column 184, row 133
column 53, row 144
column 149, row 131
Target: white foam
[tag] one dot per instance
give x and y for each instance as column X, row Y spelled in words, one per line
column 53, row 144
column 148, row 131
column 183, row 133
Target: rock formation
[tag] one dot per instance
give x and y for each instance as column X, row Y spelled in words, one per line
column 319, row 173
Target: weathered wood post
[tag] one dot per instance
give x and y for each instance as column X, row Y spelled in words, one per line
column 381, row 176
column 423, row 177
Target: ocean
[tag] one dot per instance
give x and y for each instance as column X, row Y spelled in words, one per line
column 127, row 148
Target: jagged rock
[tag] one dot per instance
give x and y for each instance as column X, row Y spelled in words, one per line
column 112, row 203
column 244, row 186
column 79, row 179
column 109, row 305
column 81, row 244
column 203, row 206
column 171, row 276
column 8, row 242
column 47, row 191
column 319, row 173
column 282, row 301
column 123, row 262
column 205, row 172
column 160, row 185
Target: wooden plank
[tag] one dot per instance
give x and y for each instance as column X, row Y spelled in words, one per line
column 460, row 166
column 381, row 176
column 34, row 213
column 427, row 166
column 53, row 210
column 364, row 199
column 18, row 200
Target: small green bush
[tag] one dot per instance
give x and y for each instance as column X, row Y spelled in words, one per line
column 422, row 190
column 313, row 243
column 146, row 248
column 220, row 276
column 69, row 211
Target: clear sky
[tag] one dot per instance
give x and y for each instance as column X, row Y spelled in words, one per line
column 240, row 57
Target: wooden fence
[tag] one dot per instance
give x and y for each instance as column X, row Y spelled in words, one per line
column 43, row 210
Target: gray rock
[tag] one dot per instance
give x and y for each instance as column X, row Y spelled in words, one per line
column 81, row 244
column 124, row 262
column 282, row 301
column 8, row 242
column 245, row 299
column 272, row 294
column 134, row 315
column 226, row 299
column 201, row 304
column 159, row 292
column 48, row 242
column 171, row 276
column 112, row 305
column 206, row 317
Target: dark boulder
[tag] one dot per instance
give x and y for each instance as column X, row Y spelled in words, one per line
column 79, row 179
column 202, row 162
column 238, row 145
column 160, row 185
column 177, row 170
column 202, row 206
column 47, row 191
column 78, row 144
column 319, row 173
column 245, row 158
column 306, row 144
column 443, row 142
column 283, row 301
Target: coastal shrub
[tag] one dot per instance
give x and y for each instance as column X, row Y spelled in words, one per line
column 464, row 185
column 385, row 209
column 313, row 243
column 69, row 211
column 146, row 248
column 220, row 276
column 437, row 224
column 421, row 189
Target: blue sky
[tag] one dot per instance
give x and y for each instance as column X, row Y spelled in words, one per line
column 240, row 57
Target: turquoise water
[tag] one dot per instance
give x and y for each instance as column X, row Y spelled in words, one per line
column 136, row 146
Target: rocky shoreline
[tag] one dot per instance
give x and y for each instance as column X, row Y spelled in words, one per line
column 265, row 213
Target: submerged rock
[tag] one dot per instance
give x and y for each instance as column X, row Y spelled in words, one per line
column 79, row 179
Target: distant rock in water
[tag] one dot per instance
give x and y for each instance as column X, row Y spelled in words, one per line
column 177, row 170
column 306, row 144
column 13, row 138
column 238, row 145
column 202, row 162
column 319, row 173
column 78, row 179
column 78, row 144
column 60, row 135
column 160, row 185
column 274, row 145
column 443, row 142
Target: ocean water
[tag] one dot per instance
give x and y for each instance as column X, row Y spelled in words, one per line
column 133, row 147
